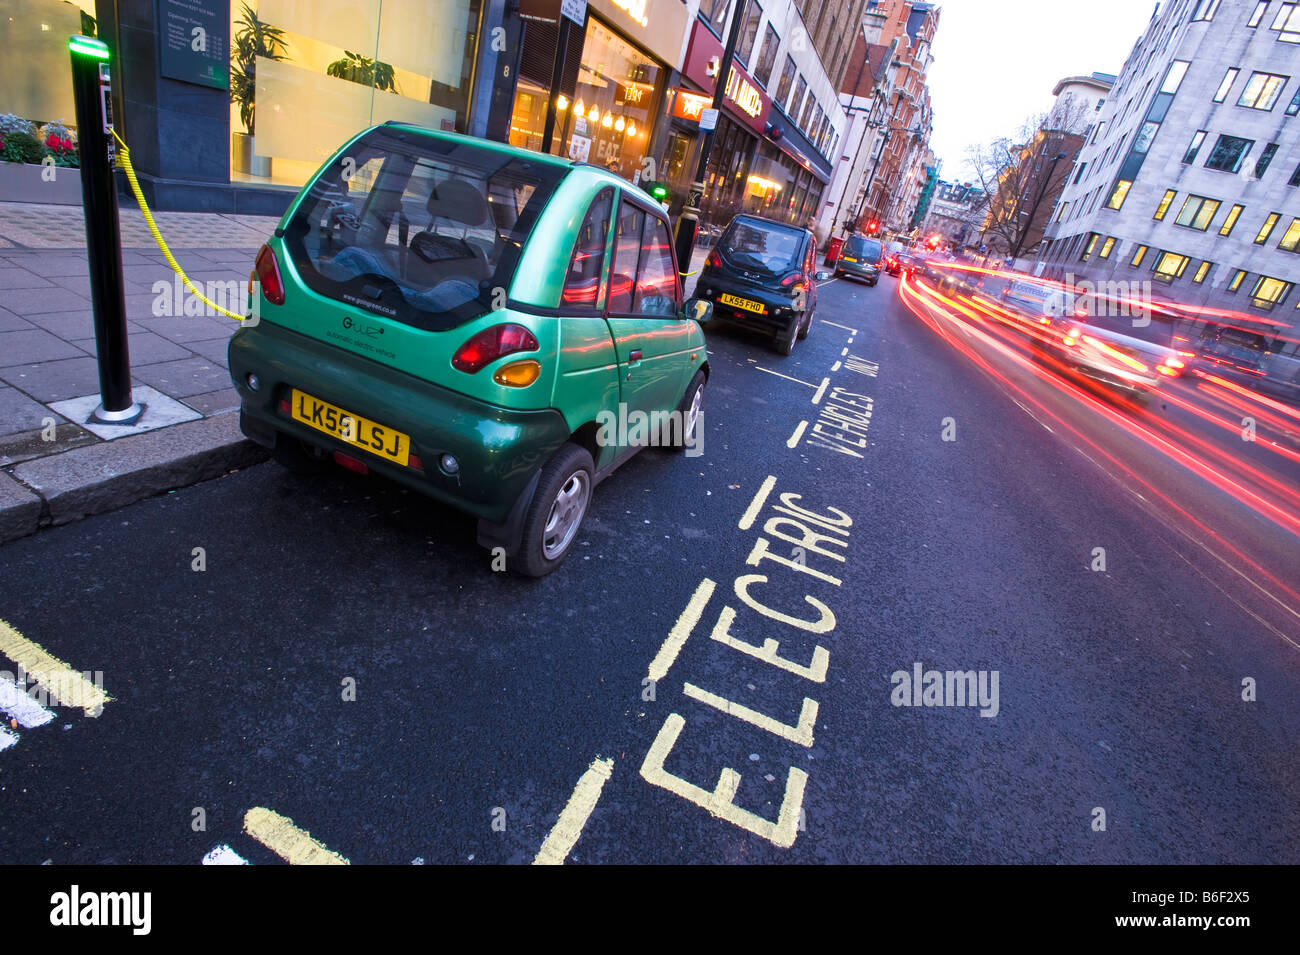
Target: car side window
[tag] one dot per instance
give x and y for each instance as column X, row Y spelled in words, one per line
column 627, row 253
column 582, row 283
column 657, row 288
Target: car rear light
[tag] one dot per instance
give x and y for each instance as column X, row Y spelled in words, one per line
column 266, row 273
column 493, row 343
column 351, row 463
column 714, row 260
column 413, row 461
column 789, row 279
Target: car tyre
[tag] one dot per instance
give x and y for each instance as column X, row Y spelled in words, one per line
column 806, row 326
column 556, row 512
column 298, row 457
column 784, row 345
column 691, row 410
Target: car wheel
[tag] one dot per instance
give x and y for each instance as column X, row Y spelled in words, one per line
column 784, row 344
column 806, row 326
column 556, row 511
column 298, row 457
column 690, row 411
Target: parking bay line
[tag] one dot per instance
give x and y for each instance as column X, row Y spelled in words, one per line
column 676, row 638
column 292, row 844
column 852, row 331
column 22, row 708
column 756, row 505
column 821, row 390
column 568, row 828
column 63, row 684
column 797, row 381
column 798, row 433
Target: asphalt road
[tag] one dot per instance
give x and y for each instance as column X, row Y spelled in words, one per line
column 494, row 715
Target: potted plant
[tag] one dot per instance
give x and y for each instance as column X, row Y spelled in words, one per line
column 364, row 70
column 253, row 38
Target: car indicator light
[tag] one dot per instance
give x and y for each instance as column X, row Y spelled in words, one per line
column 518, row 374
column 493, row 343
column 714, row 260
column 266, row 273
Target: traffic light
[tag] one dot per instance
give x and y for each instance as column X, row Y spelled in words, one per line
column 873, row 227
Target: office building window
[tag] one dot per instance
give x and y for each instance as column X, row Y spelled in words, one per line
column 1174, row 77
column 1201, row 272
column 1138, row 254
column 1197, row 212
column 1119, row 194
column 1169, row 266
column 1267, row 228
column 1228, row 78
column 1205, row 9
column 787, row 78
column 1287, row 23
column 1290, row 241
column 1194, row 147
column 1269, row 292
column 1230, row 220
column 1161, row 209
column 749, row 33
column 1266, row 157
column 1228, row 153
column 1237, row 280
column 1262, row 91
column 767, row 56
column 1260, row 9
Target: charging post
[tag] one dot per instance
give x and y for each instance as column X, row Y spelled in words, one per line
column 90, row 89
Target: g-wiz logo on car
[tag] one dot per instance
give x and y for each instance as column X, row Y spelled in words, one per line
column 75, row 908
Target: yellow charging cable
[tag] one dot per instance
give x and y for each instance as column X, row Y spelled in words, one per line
column 124, row 157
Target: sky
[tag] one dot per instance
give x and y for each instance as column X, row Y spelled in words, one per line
column 997, row 61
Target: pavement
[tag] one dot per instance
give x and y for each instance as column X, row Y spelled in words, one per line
column 713, row 674
column 56, row 467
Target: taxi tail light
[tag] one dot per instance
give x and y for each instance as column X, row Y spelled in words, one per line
column 1170, row 367
column 492, row 343
column 266, row 273
column 351, row 463
column 790, row 278
column 714, row 260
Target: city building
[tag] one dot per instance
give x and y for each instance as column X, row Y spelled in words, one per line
column 1188, row 178
column 884, row 90
column 956, row 214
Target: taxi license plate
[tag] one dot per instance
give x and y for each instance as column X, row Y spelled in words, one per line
column 849, row 258
column 737, row 302
column 351, row 428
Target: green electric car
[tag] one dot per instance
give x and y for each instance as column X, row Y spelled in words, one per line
column 475, row 321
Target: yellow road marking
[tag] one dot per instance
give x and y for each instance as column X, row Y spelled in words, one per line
column 720, row 802
column 816, row 671
column 61, row 682
column 564, row 835
column 821, row 390
column 798, row 433
column 801, row 732
column 786, row 377
column 676, row 638
column 853, row 331
column 756, row 505
column 295, row 846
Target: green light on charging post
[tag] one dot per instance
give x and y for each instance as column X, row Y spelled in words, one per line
column 89, row 46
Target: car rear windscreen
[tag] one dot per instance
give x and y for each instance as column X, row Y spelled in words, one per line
column 418, row 228
column 863, row 248
column 748, row 244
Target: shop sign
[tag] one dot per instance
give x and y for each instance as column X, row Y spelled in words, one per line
column 690, row 105
column 741, row 94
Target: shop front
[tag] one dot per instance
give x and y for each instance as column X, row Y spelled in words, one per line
column 612, row 87
column 740, row 176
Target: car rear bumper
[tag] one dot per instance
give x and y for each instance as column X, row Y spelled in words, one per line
column 859, row 270
column 778, row 311
column 498, row 449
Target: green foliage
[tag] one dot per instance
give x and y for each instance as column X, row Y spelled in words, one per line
column 21, row 147
column 253, row 38
column 364, row 70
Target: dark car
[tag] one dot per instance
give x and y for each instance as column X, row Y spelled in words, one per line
column 762, row 275
column 861, row 257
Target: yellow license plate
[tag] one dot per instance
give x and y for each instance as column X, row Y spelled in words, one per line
column 351, row 428
column 849, row 258
column 737, row 302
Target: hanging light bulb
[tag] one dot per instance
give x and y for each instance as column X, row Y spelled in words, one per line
column 561, row 103
column 631, row 129
column 594, row 114
column 578, row 108
column 608, row 121
column 619, row 124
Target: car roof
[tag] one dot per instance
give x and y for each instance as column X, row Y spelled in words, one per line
column 530, row 155
column 766, row 221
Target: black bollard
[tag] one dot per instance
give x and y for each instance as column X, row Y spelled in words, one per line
column 90, row 62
